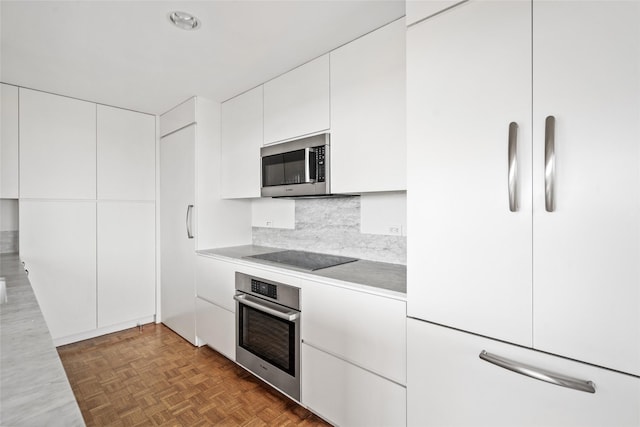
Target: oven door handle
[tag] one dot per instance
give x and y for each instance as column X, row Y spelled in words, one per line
column 289, row 316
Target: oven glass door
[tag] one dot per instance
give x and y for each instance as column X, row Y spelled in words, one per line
column 268, row 337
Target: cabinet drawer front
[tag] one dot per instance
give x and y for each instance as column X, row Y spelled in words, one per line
column 365, row 329
column 215, row 282
column 216, row 327
column 347, row 395
column 448, row 384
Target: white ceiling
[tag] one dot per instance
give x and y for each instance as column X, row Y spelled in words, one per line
column 127, row 54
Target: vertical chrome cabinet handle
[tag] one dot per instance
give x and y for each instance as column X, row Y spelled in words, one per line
column 549, row 163
column 538, row 373
column 189, row 220
column 513, row 167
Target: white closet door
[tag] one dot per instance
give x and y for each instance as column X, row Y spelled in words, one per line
column 57, row 147
column 126, row 262
column 178, row 262
column 587, row 251
column 126, row 154
column 58, row 247
column 468, row 78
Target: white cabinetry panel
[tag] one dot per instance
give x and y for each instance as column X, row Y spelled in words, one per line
column 216, row 327
column 449, row 385
column 57, row 147
column 368, row 118
column 347, row 395
column 241, row 139
column 126, row 260
column 586, row 298
column 9, row 142
column 177, row 255
column 297, row 103
column 126, row 154
column 178, row 117
column 215, row 281
column 374, row 337
column 471, row 256
column 58, row 247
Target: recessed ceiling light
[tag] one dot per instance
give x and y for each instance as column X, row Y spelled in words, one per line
column 184, row 20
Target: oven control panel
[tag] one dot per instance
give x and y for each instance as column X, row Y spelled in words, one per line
column 266, row 289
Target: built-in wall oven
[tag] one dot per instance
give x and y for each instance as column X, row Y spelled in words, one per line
column 268, row 331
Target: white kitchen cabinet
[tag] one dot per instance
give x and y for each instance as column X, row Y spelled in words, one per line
column 126, row 261
column 365, row 329
column 58, row 247
column 568, row 281
column 421, row 9
column 190, row 159
column 177, row 253
column 347, row 395
column 297, row 102
column 178, row 117
column 9, row 142
column 586, row 254
column 126, row 148
column 449, row 385
column 216, row 327
column 368, row 112
column 241, row 139
column 57, row 147
column 215, row 282
column 470, row 255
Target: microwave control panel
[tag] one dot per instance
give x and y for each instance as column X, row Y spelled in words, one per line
column 320, row 153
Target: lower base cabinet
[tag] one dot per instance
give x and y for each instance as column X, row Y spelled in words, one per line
column 216, row 327
column 449, row 385
column 347, row 395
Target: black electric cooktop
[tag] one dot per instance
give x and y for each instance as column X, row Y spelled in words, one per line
column 304, row 260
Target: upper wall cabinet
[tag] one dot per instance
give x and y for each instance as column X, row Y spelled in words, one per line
column 126, row 154
column 368, row 112
column 9, row 142
column 241, row 139
column 421, row 9
column 57, row 147
column 297, row 102
column 178, row 117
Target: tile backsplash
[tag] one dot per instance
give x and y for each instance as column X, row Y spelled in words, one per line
column 8, row 242
column 332, row 226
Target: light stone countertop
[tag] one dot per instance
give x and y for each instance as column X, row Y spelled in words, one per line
column 380, row 278
column 34, row 389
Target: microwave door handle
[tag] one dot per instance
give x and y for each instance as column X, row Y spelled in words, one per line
column 310, row 162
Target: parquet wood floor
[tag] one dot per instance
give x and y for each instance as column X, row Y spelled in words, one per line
column 155, row 378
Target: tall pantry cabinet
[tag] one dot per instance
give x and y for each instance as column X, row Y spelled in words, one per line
column 192, row 214
column 87, row 213
column 524, row 203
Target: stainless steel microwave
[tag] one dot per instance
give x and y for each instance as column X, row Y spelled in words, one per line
column 296, row 168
